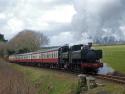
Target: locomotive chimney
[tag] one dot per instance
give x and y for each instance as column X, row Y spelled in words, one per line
column 90, row 44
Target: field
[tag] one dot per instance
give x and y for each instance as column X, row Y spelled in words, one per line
column 114, row 56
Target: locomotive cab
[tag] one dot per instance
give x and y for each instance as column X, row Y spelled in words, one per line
column 64, row 54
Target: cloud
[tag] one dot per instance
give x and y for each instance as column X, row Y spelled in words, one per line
column 48, row 16
column 15, row 24
column 58, row 14
column 100, row 19
column 62, row 39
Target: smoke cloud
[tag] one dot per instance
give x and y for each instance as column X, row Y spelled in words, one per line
column 99, row 20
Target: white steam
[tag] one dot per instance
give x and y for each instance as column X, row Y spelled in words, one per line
column 100, row 20
column 106, row 69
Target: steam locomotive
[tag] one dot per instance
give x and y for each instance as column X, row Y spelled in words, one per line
column 75, row 58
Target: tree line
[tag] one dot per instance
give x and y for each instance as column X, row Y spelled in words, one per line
column 24, row 41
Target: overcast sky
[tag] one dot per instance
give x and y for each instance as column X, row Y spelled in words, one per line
column 65, row 21
column 52, row 17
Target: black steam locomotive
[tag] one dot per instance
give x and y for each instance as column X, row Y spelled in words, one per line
column 81, row 57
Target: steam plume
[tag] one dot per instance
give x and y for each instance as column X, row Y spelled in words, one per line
column 100, row 20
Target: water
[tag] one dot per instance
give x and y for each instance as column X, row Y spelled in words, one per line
column 106, row 69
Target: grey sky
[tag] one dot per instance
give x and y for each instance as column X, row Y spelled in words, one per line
column 52, row 17
column 65, row 21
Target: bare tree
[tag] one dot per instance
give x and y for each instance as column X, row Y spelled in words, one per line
column 28, row 40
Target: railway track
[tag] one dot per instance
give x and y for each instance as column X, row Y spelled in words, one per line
column 118, row 79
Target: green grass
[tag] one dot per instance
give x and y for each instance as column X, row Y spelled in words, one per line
column 50, row 81
column 114, row 56
column 108, row 88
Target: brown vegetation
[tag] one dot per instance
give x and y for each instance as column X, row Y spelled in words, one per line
column 28, row 40
column 24, row 41
column 13, row 82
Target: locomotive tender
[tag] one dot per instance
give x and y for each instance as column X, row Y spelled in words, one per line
column 75, row 58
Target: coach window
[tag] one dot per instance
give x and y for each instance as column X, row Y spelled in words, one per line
column 52, row 54
column 43, row 56
column 56, row 54
column 47, row 55
column 40, row 56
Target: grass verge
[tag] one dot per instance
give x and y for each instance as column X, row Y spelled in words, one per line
column 13, row 81
column 49, row 81
column 108, row 88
